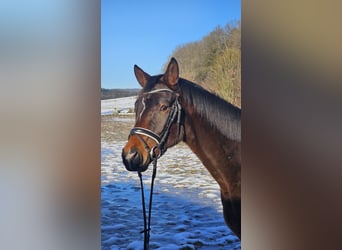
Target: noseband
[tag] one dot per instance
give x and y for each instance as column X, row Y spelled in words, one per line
column 175, row 113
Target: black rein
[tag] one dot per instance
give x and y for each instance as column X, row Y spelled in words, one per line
column 174, row 114
column 147, row 220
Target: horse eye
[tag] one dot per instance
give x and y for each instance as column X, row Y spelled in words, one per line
column 163, row 107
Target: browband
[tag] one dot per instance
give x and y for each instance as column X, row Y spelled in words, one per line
column 158, row 90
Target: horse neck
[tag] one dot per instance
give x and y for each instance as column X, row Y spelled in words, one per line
column 208, row 113
column 213, row 148
column 201, row 135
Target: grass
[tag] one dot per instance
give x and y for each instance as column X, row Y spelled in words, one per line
column 116, row 127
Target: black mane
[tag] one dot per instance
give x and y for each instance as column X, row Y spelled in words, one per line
column 222, row 115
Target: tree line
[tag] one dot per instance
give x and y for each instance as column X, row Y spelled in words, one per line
column 214, row 62
column 117, row 93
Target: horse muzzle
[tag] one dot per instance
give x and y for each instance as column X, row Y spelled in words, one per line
column 134, row 161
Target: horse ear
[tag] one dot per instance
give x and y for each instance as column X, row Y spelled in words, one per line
column 141, row 76
column 172, row 73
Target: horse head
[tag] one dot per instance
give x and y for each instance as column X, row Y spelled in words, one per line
column 158, row 118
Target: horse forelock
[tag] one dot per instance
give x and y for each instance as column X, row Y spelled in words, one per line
column 152, row 83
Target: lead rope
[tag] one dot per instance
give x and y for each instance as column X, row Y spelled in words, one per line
column 147, row 221
column 176, row 111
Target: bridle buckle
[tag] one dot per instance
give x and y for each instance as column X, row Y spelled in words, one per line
column 153, row 154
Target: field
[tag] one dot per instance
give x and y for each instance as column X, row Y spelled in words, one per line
column 119, row 104
column 187, row 212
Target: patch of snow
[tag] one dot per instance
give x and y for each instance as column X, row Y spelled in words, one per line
column 186, row 211
column 119, row 104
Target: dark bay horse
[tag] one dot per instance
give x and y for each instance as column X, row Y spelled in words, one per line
column 170, row 109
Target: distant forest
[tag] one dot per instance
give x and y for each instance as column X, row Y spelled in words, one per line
column 214, row 62
column 117, row 93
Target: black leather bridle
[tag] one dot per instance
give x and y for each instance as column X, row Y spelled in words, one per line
column 175, row 113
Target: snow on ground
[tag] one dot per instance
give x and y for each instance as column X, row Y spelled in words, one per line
column 108, row 106
column 186, row 210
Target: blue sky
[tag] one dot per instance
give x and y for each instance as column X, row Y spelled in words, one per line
column 147, row 32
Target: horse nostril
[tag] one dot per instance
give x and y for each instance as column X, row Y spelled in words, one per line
column 132, row 159
column 131, row 154
column 135, row 157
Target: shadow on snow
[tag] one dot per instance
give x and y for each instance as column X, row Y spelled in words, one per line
column 176, row 223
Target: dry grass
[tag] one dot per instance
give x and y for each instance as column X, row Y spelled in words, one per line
column 116, row 128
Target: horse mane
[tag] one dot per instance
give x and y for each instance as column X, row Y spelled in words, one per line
column 222, row 115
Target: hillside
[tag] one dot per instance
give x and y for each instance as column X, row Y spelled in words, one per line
column 214, row 62
column 117, row 93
